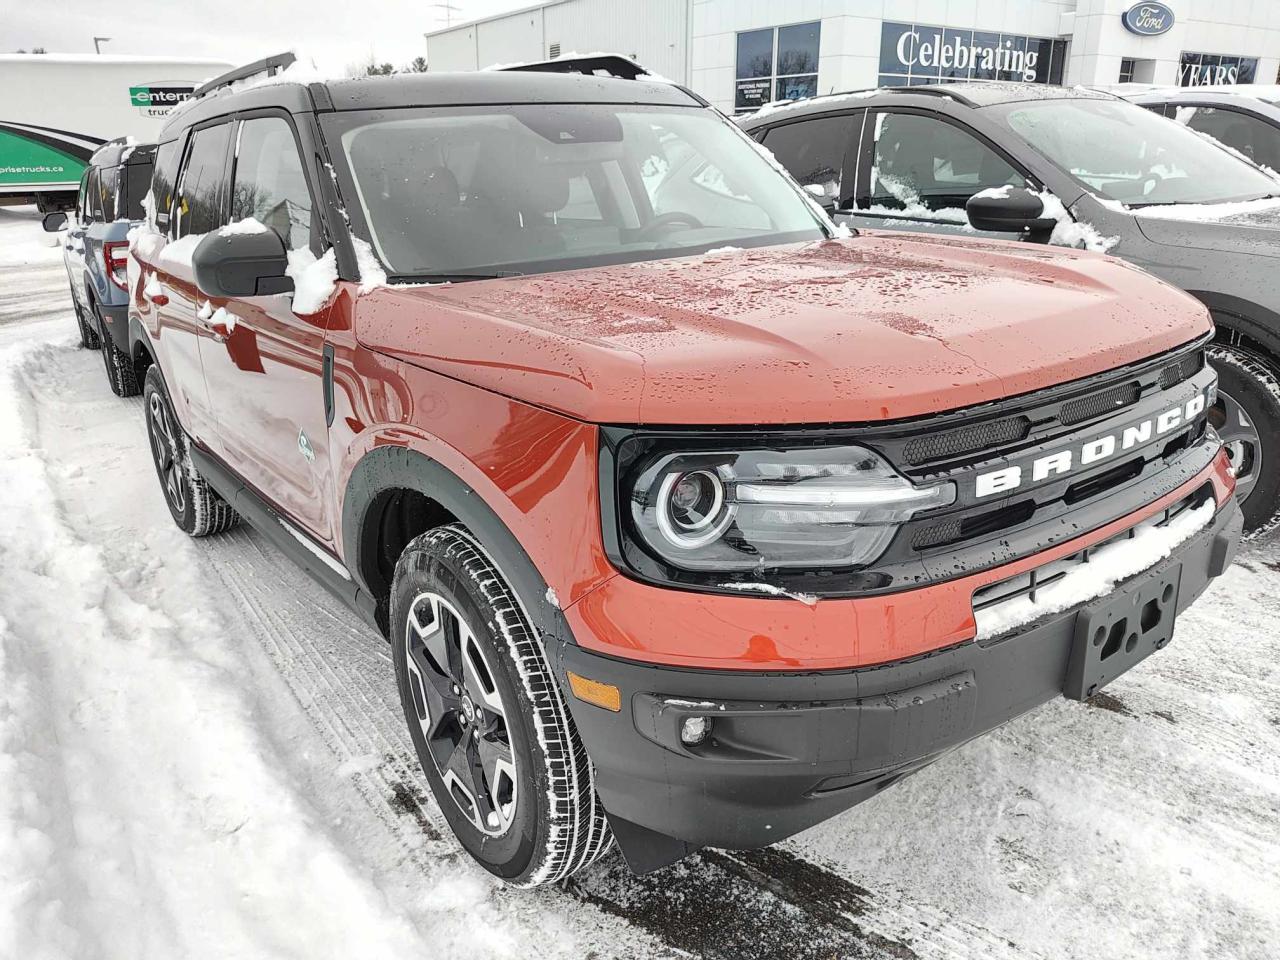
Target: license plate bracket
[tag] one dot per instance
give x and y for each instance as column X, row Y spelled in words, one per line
column 1115, row 632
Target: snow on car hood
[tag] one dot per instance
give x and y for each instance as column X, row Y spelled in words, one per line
column 882, row 326
column 1249, row 227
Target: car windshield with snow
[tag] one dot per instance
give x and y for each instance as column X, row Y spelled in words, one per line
column 1070, row 167
column 691, row 517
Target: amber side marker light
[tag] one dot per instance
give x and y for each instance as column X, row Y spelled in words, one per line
column 594, row 692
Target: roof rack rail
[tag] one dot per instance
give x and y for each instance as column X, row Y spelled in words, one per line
column 268, row 65
column 933, row 90
column 597, row 65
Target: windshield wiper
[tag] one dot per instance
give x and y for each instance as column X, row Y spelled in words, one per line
column 1201, row 203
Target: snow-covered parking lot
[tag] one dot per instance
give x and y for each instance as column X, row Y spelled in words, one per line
column 202, row 755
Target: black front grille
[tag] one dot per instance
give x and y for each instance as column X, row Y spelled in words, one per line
column 1099, row 404
column 957, row 443
column 1183, row 369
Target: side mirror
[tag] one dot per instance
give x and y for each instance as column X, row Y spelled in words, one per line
column 230, row 265
column 1008, row 210
column 53, row 222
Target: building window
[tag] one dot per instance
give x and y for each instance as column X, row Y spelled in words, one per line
column 777, row 63
column 1126, row 69
column 913, row 54
column 1210, row 69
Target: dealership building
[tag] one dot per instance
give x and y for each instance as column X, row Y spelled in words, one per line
column 742, row 53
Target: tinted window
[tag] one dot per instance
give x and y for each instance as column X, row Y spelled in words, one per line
column 163, row 180
column 134, row 186
column 813, row 151
column 1256, row 139
column 108, row 185
column 94, row 198
column 270, row 185
column 921, row 164
column 82, row 198
column 200, row 191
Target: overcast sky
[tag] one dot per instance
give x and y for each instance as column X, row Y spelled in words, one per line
column 334, row 33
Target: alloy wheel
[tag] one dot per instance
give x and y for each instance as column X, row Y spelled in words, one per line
column 1242, row 441
column 164, row 448
column 461, row 713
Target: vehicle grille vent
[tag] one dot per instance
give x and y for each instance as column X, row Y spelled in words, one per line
column 1183, row 369
column 955, row 443
column 1097, row 404
column 946, row 532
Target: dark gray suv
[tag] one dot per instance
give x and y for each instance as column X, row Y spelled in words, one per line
column 1245, row 117
column 1079, row 167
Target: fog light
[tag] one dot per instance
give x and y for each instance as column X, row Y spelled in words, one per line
column 693, row 730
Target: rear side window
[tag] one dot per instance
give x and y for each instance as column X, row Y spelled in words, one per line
column 270, row 185
column 201, row 186
column 108, row 182
column 814, row 151
column 163, row 179
column 133, row 189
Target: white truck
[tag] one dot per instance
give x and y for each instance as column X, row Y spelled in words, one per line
column 56, row 109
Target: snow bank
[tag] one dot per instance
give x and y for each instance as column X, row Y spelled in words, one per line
column 1107, row 567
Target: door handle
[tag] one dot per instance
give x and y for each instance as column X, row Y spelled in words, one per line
column 218, row 328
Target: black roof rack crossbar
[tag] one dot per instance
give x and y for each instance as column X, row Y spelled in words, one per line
column 268, row 65
column 933, row 90
column 600, row 65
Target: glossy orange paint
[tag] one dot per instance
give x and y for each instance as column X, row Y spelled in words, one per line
column 881, row 326
column 626, row 618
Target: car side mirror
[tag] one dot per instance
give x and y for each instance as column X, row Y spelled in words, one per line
column 1009, row 210
column 230, row 265
column 53, row 222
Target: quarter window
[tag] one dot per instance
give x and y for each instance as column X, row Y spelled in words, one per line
column 162, row 182
column 94, row 198
column 814, row 151
column 199, row 205
column 929, row 168
column 270, row 185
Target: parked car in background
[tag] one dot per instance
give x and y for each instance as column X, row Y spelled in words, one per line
column 1244, row 117
column 1077, row 167
column 95, row 250
column 691, row 520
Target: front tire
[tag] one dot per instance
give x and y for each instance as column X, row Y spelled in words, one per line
column 196, row 507
column 487, row 718
column 1247, row 417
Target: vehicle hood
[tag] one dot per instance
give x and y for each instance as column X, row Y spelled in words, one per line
column 1251, row 228
column 880, row 326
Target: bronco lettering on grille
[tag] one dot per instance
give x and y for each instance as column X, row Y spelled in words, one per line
column 1083, row 454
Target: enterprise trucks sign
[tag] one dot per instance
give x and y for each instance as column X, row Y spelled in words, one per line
column 912, row 54
column 157, row 99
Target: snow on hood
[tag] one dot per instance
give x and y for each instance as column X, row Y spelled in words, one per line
column 1265, row 210
column 882, row 326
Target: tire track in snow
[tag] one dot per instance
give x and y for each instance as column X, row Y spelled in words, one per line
column 341, row 675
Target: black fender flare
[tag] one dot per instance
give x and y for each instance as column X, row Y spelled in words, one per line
column 1245, row 317
column 138, row 337
column 401, row 468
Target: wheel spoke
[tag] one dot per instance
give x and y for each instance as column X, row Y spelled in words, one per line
column 499, row 772
column 479, row 684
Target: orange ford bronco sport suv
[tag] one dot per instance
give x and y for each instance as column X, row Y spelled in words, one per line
column 691, row 521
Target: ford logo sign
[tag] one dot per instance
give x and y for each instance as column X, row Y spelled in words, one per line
column 1148, row 19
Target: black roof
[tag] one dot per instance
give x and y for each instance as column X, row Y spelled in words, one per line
column 428, row 90
column 971, row 94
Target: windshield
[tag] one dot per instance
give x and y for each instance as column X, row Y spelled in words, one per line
column 1123, row 152
column 484, row 191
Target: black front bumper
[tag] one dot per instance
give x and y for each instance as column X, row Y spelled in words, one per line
column 788, row 751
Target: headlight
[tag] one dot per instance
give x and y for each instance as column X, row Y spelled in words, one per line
column 825, row 507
